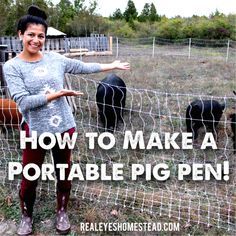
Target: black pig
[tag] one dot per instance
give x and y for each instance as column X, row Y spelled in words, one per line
column 203, row 113
column 233, row 127
column 110, row 98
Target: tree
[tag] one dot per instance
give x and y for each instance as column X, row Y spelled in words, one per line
column 117, row 15
column 66, row 12
column 5, row 7
column 216, row 14
column 92, row 7
column 85, row 21
column 78, row 5
column 153, row 13
column 23, row 5
column 15, row 10
column 144, row 16
column 130, row 13
column 149, row 13
column 76, row 19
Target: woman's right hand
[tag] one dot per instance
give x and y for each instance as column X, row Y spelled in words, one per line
column 67, row 92
column 61, row 93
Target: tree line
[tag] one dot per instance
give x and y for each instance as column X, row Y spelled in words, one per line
column 78, row 19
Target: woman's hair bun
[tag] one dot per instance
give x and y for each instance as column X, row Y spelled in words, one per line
column 36, row 11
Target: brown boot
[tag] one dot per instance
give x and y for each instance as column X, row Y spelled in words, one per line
column 25, row 227
column 62, row 220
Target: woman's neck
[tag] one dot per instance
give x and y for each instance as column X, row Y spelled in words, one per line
column 24, row 55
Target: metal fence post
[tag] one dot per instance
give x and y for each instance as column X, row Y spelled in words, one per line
column 153, row 47
column 227, row 53
column 189, row 47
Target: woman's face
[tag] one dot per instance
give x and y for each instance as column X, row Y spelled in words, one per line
column 33, row 38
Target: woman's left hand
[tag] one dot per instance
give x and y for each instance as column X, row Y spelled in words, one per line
column 121, row 65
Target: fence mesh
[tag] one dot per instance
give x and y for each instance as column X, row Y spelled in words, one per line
column 207, row 202
column 190, row 48
column 224, row 49
column 159, row 90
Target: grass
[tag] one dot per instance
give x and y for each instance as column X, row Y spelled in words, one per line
column 91, row 211
column 158, row 93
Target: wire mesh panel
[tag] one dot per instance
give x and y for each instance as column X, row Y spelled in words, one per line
column 195, row 48
column 133, row 47
column 151, row 112
column 148, row 111
column 159, row 92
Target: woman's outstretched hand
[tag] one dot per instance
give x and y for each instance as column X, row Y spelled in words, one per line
column 115, row 65
column 121, row 65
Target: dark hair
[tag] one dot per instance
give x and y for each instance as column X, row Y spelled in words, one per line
column 35, row 16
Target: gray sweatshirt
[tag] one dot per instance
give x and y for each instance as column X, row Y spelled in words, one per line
column 29, row 82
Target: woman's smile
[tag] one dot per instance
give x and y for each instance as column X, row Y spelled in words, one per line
column 33, row 39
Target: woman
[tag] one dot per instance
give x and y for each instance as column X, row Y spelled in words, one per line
column 35, row 82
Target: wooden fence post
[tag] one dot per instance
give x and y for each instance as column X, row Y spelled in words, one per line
column 110, row 44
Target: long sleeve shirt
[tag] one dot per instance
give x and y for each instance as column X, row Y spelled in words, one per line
column 29, row 82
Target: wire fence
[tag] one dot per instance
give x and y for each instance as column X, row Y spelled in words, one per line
column 211, row 203
column 152, row 47
column 162, row 84
column 189, row 48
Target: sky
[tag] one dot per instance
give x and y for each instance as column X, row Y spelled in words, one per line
column 170, row 8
